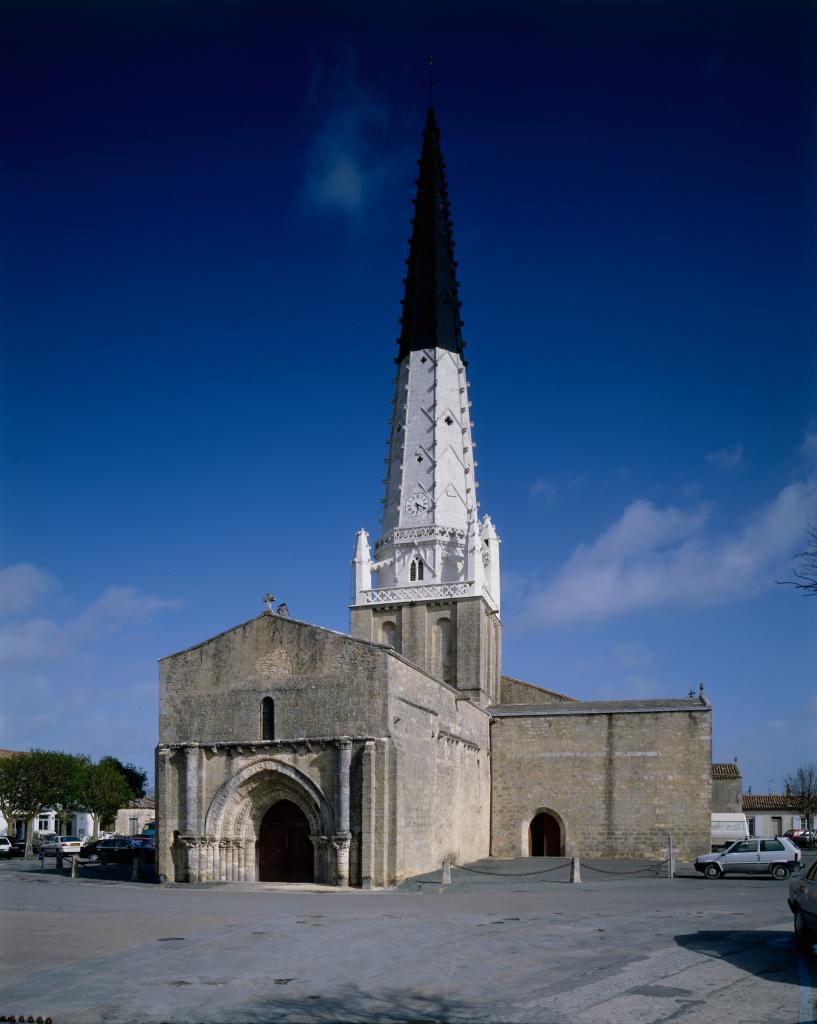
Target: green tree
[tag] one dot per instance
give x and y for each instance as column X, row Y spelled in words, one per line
column 135, row 777
column 67, row 773
column 15, row 798
column 37, row 779
column 104, row 790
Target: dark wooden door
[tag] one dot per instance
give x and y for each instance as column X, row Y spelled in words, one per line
column 545, row 839
column 285, row 851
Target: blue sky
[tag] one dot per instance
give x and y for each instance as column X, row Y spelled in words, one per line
column 205, row 211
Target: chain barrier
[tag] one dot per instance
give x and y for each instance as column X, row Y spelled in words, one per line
column 651, row 869
column 512, row 874
column 637, row 871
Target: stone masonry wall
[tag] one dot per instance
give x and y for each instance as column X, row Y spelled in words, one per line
column 619, row 782
column 323, row 684
column 442, row 773
column 419, row 777
column 726, row 796
column 476, row 652
column 515, row 691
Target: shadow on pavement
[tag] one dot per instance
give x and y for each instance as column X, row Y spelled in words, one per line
column 86, row 871
column 354, row 1004
column 768, row 954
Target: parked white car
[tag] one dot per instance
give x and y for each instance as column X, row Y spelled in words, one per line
column 64, row 845
column 776, row 856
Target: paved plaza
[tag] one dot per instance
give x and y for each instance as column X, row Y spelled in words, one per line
column 627, row 948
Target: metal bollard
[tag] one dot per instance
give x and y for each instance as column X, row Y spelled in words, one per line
column 575, row 870
column 445, row 874
column 136, row 870
column 73, row 867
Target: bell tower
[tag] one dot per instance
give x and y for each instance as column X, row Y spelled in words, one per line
column 430, row 585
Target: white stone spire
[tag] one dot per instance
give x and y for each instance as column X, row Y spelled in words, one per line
column 432, row 545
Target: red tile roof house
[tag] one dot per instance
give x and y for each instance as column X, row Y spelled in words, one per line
column 771, row 814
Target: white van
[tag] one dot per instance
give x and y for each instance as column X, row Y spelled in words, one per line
column 728, row 828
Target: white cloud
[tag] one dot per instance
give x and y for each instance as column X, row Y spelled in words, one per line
column 40, row 640
column 34, row 640
column 347, row 163
column 808, row 448
column 22, row 584
column 727, row 458
column 544, row 490
column 653, row 557
column 120, row 605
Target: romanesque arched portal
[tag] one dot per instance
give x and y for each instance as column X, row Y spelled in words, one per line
column 239, row 823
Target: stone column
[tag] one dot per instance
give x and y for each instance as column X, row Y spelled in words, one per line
column 166, row 820
column 341, row 839
column 341, row 846
column 191, row 790
column 367, row 832
column 247, row 861
column 344, row 765
column 193, row 860
column 232, row 875
column 321, row 844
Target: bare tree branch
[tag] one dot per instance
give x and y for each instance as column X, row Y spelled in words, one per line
column 801, row 786
column 805, row 575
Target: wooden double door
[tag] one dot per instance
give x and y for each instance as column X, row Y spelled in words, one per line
column 544, row 836
column 285, row 851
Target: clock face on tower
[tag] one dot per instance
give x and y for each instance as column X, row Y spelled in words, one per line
column 417, row 504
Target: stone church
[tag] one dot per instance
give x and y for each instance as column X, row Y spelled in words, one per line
column 289, row 752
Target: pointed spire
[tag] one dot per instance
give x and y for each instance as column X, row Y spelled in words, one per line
column 431, row 308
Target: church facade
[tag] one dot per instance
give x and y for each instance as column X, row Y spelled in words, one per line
column 288, row 752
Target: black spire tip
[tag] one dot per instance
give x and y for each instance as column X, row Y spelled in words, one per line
column 430, row 302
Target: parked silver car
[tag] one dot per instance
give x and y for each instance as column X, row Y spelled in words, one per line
column 803, row 904
column 758, row 856
column 61, row 845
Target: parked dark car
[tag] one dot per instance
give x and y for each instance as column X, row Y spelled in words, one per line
column 121, row 850
column 803, row 904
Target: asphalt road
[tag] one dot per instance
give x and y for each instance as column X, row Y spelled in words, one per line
column 630, row 949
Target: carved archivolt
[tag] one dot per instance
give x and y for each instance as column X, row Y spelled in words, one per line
column 237, row 808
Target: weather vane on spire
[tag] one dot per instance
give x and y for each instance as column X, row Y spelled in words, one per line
column 430, row 81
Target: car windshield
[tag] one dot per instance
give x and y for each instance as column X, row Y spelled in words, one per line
column 743, row 846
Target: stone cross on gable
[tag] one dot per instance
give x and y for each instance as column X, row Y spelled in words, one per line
column 268, row 599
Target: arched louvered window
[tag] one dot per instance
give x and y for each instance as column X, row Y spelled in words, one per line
column 268, row 719
column 416, row 570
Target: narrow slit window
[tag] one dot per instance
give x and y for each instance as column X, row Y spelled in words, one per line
column 268, row 719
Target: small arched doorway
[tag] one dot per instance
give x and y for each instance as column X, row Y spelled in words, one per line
column 544, row 836
column 285, row 851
